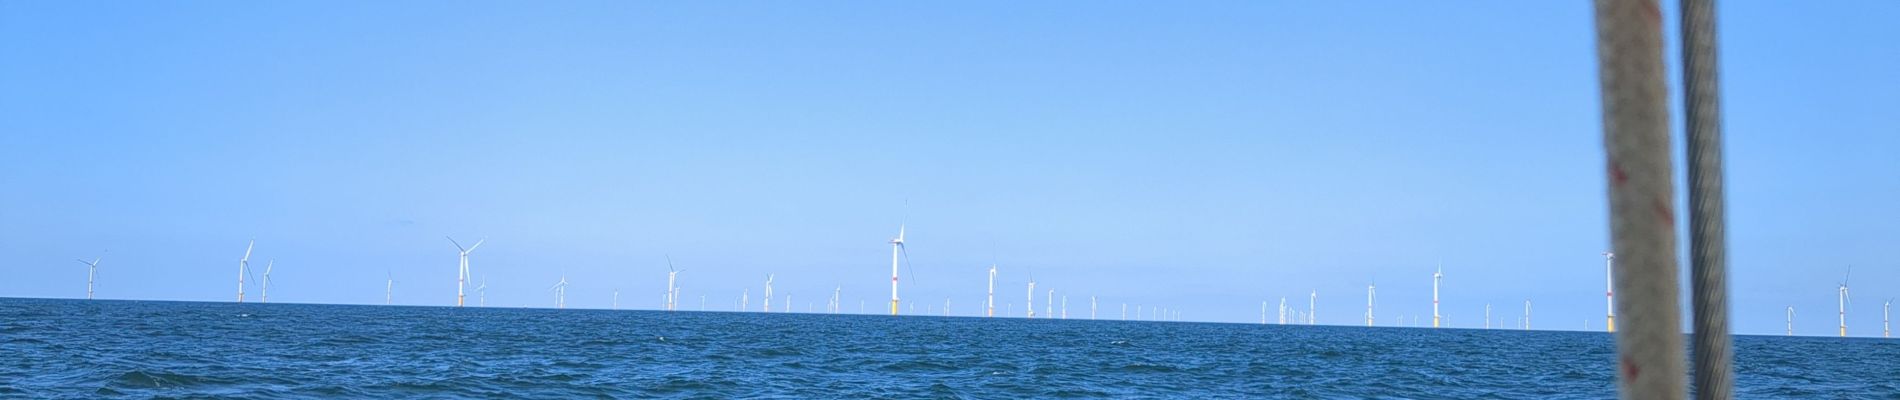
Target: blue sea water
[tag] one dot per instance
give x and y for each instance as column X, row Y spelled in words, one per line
column 148, row 349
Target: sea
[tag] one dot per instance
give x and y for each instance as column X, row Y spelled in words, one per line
column 83, row 349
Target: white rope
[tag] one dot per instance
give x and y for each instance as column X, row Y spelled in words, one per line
column 1642, row 217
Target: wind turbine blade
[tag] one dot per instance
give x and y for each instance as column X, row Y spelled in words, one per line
column 82, row 261
column 669, row 262
column 478, row 243
column 458, row 245
column 907, row 268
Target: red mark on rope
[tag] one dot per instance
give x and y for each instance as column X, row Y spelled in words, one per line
column 1617, row 176
column 1630, row 370
column 1652, row 10
column 1666, row 213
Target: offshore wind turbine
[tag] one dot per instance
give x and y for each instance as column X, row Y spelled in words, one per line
column 389, row 287
column 560, row 292
column 1886, row 328
column 1487, row 316
column 837, row 299
column 267, row 268
column 1609, row 293
column 1527, row 314
column 92, row 272
column 745, row 300
column 481, row 292
column 1790, row 320
column 1282, row 310
column 1031, row 303
column 1844, row 300
column 1050, row 304
column 244, row 268
column 989, row 306
column 461, row 274
column 1092, row 308
column 1371, row 296
column 897, row 248
column 1311, row 307
column 1436, row 278
column 768, row 292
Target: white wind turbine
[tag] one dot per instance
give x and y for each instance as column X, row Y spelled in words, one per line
column 745, row 300
column 1031, row 303
column 461, row 274
column 1049, row 309
column 1282, row 310
column 389, row 287
column 481, row 292
column 897, row 248
column 672, row 290
column 768, row 292
column 1845, row 300
column 244, row 268
column 1372, row 294
column 1790, row 320
column 1091, row 308
column 1311, row 307
column 1886, row 328
column 1065, row 306
column 1609, row 296
column 560, row 292
column 989, row 304
column 1487, row 316
column 1436, row 278
column 1527, row 314
column 267, row 268
column 837, row 299
column 92, row 272
column 1263, row 312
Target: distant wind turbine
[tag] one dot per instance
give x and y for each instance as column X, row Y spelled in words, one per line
column 1372, row 294
column 92, row 272
column 1437, row 277
column 1609, row 291
column 1845, row 300
column 1031, row 303
column 1886, row 329
column 989, row 304
column 1527, row 314
column 244, row 268
column 1282, row 310
column 1487, row 316
column 1091, row 308
column 897, row 248
column 1049, row 304
column 672, row 291
column 560, row 292
column 461, row 274
column 745, row 300
column 768, row 292
column 481, row 292
column 267, row 269
column 389, row 287
column 1790, row 320
column 1311, row 307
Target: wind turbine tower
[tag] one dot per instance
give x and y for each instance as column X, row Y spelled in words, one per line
column 92, row 271
column 897, row 248
column 481, row 292
column 989, row 305
column 1092, row 308
column 768, row 292
column 1371, row 294
column 244, row 268
column 1609, row 286
column 1844, row 300
column 560, row 292
column 1886, row 328
column 1527, row 314
column 1031, row 304
column 1311, row 307
column 1282, row 310
column 1436, row 278
column 389, row 287
column 1790, row 320
column 1049, row 310
column 461, row 275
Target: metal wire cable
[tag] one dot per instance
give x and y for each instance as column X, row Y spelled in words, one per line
column 1641, row 190
column 1708, row 258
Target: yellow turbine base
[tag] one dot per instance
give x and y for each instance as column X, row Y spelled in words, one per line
column 893, row 307
column 1434, row 321
column 1609, row 325
column 1843, row 331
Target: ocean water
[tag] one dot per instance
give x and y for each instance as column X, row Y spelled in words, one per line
column 144, row 349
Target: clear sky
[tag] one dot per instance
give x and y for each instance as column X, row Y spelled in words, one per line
column 1203, row 157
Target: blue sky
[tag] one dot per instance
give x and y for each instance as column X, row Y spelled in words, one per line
column 1202, row 157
